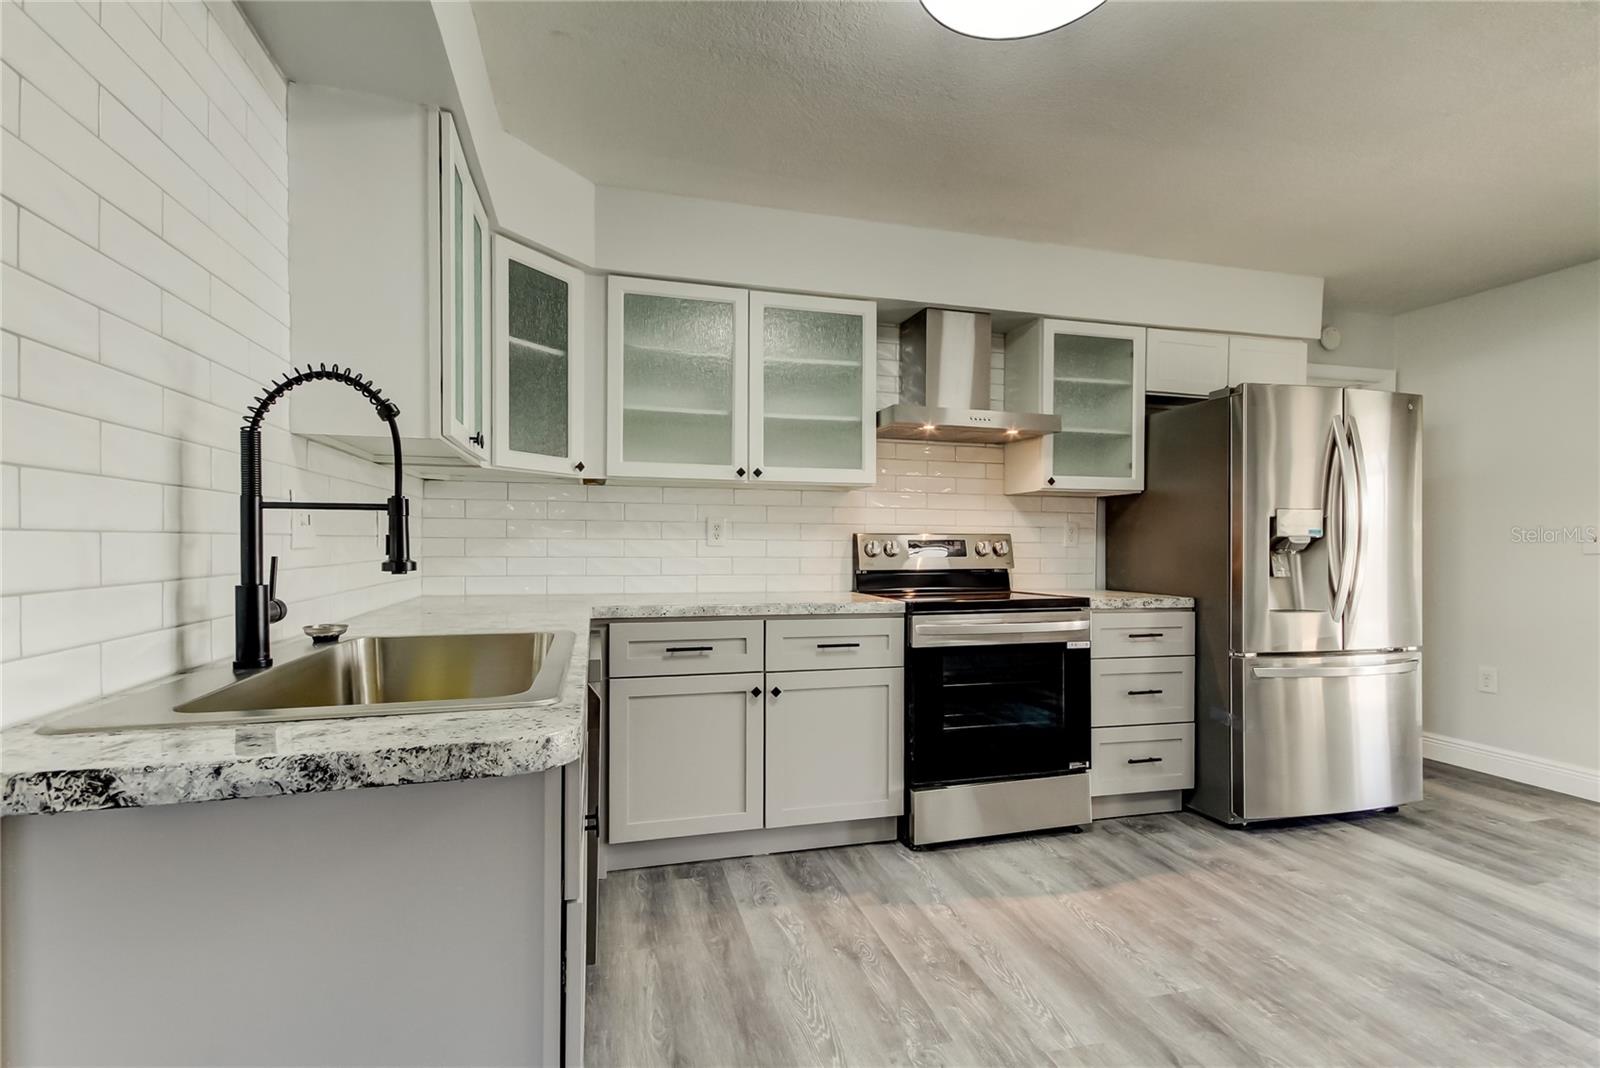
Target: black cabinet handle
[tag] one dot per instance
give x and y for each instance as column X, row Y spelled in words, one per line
column 1143, row 693
column 757, row 472
column 755, row 691
column 1152, row 634
column 1144, row 760
column 739, row 471
column 689, row 648
column 838, row 645
column 776, row 691
column 1050, row 482
column 477, row 439
column 578, row 466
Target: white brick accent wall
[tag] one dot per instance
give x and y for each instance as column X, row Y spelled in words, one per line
column 144, row 299
column 532, row 537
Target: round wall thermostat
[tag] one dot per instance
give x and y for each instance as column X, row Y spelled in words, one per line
column 1331, row 338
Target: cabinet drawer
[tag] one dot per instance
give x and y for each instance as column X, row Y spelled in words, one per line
column 689, row 647
column 841, row 642
column 1120, row 633
column 1136, row 760
column 1157, row 689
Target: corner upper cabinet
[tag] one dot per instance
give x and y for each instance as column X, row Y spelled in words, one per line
column 1278, row 360
column 464, row 247
column 536, row 370
column 813, row 385
column 1092, row 376
column 677, row 364
column 1186, row 363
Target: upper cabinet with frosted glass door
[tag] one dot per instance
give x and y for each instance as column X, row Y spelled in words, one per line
column 464, row 249
column 677, row 380
column 813, row 388
column 1092, row 376
column 537, row 369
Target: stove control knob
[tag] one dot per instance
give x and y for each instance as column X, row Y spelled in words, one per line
column 1002, row 547
column 871, row 548
column 982, row 548
column 891, row 548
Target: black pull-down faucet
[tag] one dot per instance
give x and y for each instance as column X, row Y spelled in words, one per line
column 255, row 605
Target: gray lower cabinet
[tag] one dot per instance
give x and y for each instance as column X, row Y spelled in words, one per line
column 1142, row 718
column 687, row 754
column 835, row 745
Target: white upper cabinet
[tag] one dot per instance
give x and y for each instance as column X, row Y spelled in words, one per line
column 1185, row 363
column 464, row 248
column 1092, row 375
column 707, row 383
column 813, row 384
column 677, row 370
column 537, row 365
column 1266, row 359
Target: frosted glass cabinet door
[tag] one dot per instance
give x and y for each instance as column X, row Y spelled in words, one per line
column 538, row 361
column 813, row 384
column 677, row 370
column 464, row 304
column 1098, row 391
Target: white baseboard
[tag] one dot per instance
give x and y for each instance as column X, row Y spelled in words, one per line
column 1509, row 764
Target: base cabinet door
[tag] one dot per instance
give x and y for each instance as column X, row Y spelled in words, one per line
column 835, row 745
column 686, row 756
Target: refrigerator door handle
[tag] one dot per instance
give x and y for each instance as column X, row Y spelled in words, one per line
column 1348, row 504
column 1335, row 671
column 1331, row 493
column 1358, row 485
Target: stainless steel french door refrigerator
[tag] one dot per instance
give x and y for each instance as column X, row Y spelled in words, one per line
column 1292, row 514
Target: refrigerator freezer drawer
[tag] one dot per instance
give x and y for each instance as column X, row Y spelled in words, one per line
column 1323, row 735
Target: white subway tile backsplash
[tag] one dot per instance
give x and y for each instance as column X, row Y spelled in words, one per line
column 57, row 257
column 48, row 437
column 144, row 302
column 34, row 183
column 44, row 560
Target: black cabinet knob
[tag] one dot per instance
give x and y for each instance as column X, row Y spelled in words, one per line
column 755, row 691
column 776, row 691
column 477, row 439
column 578, row 466
column 739, row 471
column 757, row 472
column 1050, row 482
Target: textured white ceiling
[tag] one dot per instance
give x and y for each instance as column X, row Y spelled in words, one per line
column 1408, row 152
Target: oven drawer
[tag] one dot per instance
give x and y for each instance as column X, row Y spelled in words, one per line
column 1136, row 690
column 689, row 647
column 1123, row 633
column 846, row 642
column 1136, row 760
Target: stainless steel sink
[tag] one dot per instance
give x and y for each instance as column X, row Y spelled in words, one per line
column 375, row 676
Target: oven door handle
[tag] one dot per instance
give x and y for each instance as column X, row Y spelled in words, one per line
column 924, row 634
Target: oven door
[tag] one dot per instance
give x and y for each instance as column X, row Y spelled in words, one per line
column 996, row 695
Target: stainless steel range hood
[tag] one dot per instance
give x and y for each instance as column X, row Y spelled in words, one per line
column 944, row 385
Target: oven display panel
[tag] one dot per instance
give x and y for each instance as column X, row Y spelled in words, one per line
column 939, row 548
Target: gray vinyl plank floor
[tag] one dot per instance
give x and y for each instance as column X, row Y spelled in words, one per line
column 1464, row 930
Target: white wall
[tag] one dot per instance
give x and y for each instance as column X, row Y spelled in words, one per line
column 145, row 299
column 557, row 537
column 1510, row 380
column 1368, row 339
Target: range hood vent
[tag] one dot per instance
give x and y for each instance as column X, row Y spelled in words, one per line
column 944, row 385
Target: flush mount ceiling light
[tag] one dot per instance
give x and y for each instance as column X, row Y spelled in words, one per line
column 1007, row 20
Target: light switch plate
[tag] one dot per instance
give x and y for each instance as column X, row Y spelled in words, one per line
column 1488, row 679
column 302, row 534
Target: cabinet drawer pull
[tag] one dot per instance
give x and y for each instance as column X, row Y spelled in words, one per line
column 690, row 648
column 838, row 645
column 1144, row 760
column 1144, row 693
column 1152, row 634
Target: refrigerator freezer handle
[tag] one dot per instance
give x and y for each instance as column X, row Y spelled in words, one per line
column 1335, row 671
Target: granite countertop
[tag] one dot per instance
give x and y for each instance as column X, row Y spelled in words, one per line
column 43, row 773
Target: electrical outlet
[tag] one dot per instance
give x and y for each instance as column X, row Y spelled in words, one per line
column 1488, row 679
column 302, row 535
column 716, row 530
column 1069, row 534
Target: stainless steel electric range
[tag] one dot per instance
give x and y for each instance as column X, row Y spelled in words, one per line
column 997, row 688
